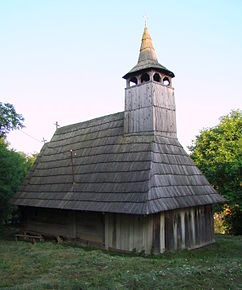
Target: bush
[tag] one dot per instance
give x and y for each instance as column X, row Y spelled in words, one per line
column 232, row 220
column 228, row 221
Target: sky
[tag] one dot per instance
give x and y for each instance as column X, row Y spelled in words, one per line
column 64, row 60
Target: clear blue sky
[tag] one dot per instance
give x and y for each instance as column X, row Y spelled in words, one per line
column 64, row 60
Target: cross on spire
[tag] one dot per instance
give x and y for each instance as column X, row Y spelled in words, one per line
column 57, row 124
column 43, row 140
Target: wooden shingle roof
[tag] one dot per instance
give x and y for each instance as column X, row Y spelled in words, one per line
column 113, row 172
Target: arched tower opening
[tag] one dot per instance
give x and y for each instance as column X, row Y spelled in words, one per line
column 157, row 78
column 166, row 81
column 145, row 77
column 133, row 81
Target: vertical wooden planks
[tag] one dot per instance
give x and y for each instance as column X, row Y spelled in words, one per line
column 114, row 231
column 182, row 214
column 179, row 230
column 171, row 230
column 148, row 234
column 110, row 229
column 169, row 236
column 193, row 227
column 131, row 233
column 118, row 234
column 162, row 232
column 138, row 233
column 175, row 230
column 156, row 233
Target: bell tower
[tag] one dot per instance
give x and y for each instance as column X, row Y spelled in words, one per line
column 149, row 96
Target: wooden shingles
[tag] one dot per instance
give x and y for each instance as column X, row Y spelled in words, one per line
column 113, row 172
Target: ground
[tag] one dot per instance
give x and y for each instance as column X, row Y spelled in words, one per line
column 48, row 265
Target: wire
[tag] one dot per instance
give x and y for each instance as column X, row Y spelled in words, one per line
column 31, row 136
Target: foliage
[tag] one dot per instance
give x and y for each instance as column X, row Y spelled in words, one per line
column 9, row 119
column 14, row 167
column 219, row 227
column 217, row 152
column 62, row 266
column 232, row 220
column 228, row 220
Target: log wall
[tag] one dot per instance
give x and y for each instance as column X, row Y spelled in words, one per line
column 166, row 231
column 84, row 226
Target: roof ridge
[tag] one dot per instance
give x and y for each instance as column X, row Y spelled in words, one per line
column 91, row 120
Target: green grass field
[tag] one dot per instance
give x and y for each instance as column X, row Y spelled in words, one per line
column 47, row 265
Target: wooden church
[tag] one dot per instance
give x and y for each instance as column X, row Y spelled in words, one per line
column 123, row 181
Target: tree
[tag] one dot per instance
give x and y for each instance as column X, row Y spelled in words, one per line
column 14, row 166
column 217, row 152
column 9, row 119
column 12, row 171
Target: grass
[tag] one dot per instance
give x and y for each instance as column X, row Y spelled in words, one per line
column 48, row 265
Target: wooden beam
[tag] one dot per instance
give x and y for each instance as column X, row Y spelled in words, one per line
column 162, row 232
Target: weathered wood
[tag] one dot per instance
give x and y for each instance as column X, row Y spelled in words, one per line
column 150, row 107
column 169, row 236
column 162, row 232
column 148, row 234
column 179, row 230
column 171, row 230
column 156, row 233
column 118, row 232
column 29, row 237
column 176, row 230
column 90, row 226
column 182, row 214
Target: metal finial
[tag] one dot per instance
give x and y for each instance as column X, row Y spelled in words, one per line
column 57, row 125
column 43, row 140
column 145, row 21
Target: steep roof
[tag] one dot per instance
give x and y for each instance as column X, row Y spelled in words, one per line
column 147, row 57
column 135, row 174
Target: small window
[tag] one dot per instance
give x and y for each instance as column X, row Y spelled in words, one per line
column 156, row 77
column 166, row 81
column 145, row 77
column 133, row 81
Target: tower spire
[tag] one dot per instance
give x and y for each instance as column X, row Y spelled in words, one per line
column 147, row 57
column 147, row 51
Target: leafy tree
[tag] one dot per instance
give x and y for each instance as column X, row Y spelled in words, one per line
column 14, row 167
column 217, row 152
column 9, row 119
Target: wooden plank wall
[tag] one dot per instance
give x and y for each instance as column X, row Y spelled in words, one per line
column 129, row 232
column 90, row 227
column 69, row 224
column 164, row 109
column 167, row 231
column 189, row 228
column 150, row 107
column 48, row 222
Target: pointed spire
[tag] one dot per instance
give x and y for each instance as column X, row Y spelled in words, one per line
column 147, row 51
column 147, row 57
